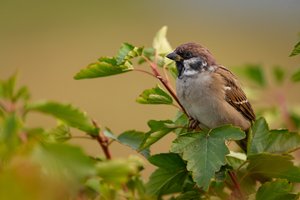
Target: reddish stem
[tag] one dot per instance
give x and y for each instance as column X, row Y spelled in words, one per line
column 103, row 141
column 164, row 81
column 237, row 192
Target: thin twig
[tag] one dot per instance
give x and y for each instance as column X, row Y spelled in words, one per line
column 103, row 141
column 237, row 188
column 293, row 150
column 166, row 83
column 144, row 71
column 81, row 137
column 165, row 72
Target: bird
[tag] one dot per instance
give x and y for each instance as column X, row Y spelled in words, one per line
column 209, row 92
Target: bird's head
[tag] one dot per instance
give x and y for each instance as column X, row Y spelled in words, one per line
column 191, row 59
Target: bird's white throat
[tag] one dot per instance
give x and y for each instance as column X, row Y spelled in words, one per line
column 189, row 72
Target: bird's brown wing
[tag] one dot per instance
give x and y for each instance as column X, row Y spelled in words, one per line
column 234, row 95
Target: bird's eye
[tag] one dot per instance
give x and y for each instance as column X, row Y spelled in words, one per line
column 188, row 55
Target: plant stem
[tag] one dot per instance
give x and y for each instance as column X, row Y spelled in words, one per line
column 103, row 141
column 237, row 192
column 164, row 81
column 144, row 71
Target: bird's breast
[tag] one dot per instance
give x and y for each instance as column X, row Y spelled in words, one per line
column 194, row 94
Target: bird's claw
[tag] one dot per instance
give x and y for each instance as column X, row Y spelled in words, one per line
column 193, row 124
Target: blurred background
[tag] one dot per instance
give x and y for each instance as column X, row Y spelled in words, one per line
column 47, row 42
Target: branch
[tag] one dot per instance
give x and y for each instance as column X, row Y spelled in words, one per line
column 237, row 192
column 164, row 81
column 103, row 141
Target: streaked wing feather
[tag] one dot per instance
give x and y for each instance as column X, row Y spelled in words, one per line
column 235, row 95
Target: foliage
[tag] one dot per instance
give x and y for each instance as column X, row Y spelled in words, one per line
column 40, row 163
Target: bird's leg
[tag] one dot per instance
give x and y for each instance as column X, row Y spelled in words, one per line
column 193, row 124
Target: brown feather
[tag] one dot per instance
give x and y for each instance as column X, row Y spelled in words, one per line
column 235, row 95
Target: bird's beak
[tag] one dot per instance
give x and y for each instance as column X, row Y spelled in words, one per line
column 174, row 56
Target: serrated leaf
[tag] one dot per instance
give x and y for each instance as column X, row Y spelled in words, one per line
column 61, row 133
column 296, row 49
column 126, row 52
column 170, row 175
column 67, row 113
column 160, row 42
column 272, row 141
column 102, row 69
column 154, row 96
column 134, row 139
column 149, row 52
column 276, row 190
column 158, row 129
column 273, row 166
column 278, row 73
column 205, row 151
column 296, row 76
column 63, row 161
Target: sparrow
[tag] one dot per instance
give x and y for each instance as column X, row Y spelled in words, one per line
column 209, row 92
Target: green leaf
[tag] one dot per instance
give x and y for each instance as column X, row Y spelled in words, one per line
column 67, row 113
column 160, row 42
column 9, row 138
column 205, row 151
column 7, row 87
column 296, row 76
column 253, row 72
column 296, row 49
column 63, row 161
column 181, row 120
column 108, row 133
column 154, row 96
column 158, row 129
column 102, row 69
column 172, row 69
column 189, row 195
column 295, row 119
column 278, row 73
column 61, row 133
column 148, row 53
column 273, row 166
column 276, row 190
column 256, row 74
column 272, row 141
column 235, row 159
column 23, row 93
column 134, row 139
column 127, row 52
column 170, row 175
column 118, row 171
